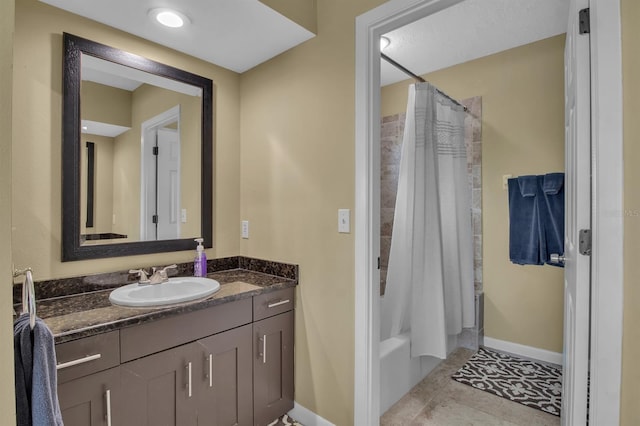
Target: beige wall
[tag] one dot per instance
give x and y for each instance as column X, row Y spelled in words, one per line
column 630, row 408
column 37, row 89
column 105, row 104
column 522, row 93
column 297, row 170
column 103, row 184
column 7, row 398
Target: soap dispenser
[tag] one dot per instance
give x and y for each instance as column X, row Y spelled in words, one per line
column 200, row 262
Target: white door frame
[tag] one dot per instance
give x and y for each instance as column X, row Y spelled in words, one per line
column 607, row 220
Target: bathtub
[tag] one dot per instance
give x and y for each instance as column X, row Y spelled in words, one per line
column 398, row 371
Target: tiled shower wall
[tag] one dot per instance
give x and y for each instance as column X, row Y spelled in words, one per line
column 391, row 146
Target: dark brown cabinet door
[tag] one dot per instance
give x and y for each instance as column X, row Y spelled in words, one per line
column 92, row 400
column 272, row 368
column 225, row 378
column 160, row 389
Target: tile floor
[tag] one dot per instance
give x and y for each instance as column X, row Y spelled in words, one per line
column 441, row 401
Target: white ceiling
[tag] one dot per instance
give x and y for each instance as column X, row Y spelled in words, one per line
column 234, row 34
column 240, row 34
column 470, row 30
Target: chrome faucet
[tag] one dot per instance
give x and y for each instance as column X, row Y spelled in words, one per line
column 158, row 275
column 142, row 275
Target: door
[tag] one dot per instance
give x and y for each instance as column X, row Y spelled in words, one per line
column 272, row 368
column 168, row 188
column 225, row 383
column 577, row 278
column 91, row 400
column 160, row 177
column 158, row 390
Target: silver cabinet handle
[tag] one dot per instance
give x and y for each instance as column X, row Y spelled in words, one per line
column 189, row 379
column 210, row 370
column 87, row 358
column 282, row 302
column 108, row 398
column 556, row 258
column 264, row 349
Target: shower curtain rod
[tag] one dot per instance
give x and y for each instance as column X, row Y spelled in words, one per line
column 417, row 77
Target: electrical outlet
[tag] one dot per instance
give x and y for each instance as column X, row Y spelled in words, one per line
column 245, row 229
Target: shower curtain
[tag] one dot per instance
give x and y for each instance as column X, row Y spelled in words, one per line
column 430, row 275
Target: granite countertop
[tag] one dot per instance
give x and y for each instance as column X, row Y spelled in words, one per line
column 80, row 315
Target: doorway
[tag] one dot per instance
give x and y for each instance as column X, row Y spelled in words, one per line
column 160, row 177
column 606, row 92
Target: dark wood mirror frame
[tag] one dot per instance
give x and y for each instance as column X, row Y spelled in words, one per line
column 72, row 249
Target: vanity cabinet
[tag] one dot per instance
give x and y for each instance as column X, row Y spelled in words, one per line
column 208, row 382
column 89, row 380
column 272, row 372
column 273, row 355
column 230, row 364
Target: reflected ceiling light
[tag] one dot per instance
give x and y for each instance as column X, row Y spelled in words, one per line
column 384, row 42
column 169, row 17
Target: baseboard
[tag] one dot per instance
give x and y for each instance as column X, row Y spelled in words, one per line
column 307, row 417
column 523, row 350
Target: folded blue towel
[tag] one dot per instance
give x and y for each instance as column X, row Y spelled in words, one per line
column 528, row 185
column 536, row 218
column 35, row 374
column 524, row 225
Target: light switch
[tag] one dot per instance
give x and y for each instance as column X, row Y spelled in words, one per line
column 245, row 229
column 344, row 225
column 183, row 215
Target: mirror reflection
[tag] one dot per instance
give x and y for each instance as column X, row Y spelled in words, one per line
column 137, row 163
column 140, row 166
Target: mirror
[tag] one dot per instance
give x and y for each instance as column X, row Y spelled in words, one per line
column 137, row 154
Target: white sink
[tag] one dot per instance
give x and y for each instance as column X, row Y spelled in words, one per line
column 176, row 290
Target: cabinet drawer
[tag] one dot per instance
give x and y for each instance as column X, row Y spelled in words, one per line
column 273, row 303
column 156, row 336
column 88, row 355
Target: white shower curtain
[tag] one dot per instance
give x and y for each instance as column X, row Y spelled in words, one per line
column 430, row 275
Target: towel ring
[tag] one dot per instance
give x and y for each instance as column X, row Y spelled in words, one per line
column 28, row 294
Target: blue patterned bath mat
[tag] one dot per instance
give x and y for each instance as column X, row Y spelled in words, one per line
column 528, row 382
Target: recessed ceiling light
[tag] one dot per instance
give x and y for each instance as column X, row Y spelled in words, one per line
column 384, row 42
column 169, row 17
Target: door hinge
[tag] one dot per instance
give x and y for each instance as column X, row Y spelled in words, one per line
column 378, row 262
column 155, row 150
column 584, row 21
column 154, row 219
column 584, row 243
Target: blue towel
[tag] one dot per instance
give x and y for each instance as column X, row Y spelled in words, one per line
column 536, row 218
column 35, row 374
column 524, row 224
column 551, row 213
